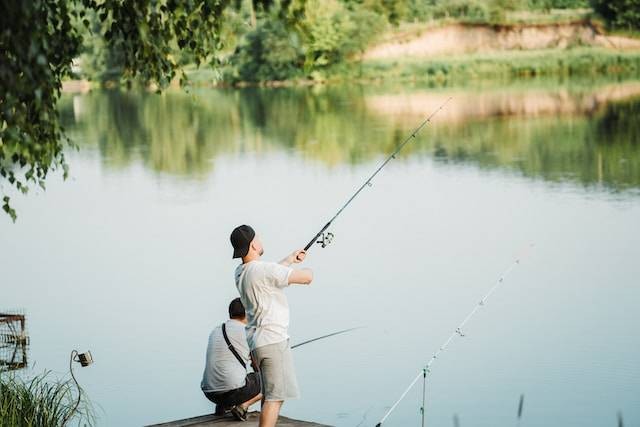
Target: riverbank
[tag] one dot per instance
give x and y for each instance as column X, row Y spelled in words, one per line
column 458, row 38
column 445, row 52
column 453, row 52
column 464, row 69
column 500, row 68
column 509, row 65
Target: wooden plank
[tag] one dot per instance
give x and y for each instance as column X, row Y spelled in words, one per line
column 229, row 421
column 6, row 318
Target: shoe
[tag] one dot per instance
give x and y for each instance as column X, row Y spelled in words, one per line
column 219, row 410
column 239, row 413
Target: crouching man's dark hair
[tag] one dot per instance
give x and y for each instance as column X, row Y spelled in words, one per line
column 236, row 309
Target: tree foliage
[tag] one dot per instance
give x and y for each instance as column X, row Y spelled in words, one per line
column 150, row 40
column 270, row 52
column 302, row 38
column 620, row 14
column 39, row 39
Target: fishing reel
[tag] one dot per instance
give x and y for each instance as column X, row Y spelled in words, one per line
column 325, row 239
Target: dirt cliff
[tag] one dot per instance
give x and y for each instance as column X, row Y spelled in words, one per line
column 476, row 38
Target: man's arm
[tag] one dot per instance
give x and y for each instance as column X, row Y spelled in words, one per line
column 301, row 277
column 298, row 277
column 294, row 258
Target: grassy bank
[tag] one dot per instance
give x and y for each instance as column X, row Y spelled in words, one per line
column 512, row 65
column 580, row 62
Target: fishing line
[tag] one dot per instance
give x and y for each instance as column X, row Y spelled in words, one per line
column 322, row 238
column 458, row 332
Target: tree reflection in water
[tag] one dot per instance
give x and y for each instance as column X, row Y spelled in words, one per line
column 183, row 134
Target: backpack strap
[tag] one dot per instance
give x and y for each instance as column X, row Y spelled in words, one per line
column 230, row 346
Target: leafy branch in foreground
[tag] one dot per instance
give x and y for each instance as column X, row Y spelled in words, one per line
column 40, row 39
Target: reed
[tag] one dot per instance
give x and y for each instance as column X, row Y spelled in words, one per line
column 520, row 406
column 41, row 401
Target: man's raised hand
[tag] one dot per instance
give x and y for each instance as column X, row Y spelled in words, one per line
column 299, row 256
column 294, row 258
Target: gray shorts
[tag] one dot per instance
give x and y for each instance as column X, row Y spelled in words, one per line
column 277, row 372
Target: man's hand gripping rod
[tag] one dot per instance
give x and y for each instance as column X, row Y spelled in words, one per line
column 323, row 238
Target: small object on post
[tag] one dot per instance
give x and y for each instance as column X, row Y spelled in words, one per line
column 85, row 359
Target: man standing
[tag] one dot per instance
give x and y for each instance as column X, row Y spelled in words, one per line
column 225, row 381
column 261, row 287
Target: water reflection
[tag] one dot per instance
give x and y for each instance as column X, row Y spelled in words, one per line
column 588, row 136
column 13, row 342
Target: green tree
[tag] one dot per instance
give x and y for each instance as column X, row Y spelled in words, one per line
column 621, row 14
column 331, row 32
column 270, row 52
column 325, row 27
column 39, row 39
column 302, row 38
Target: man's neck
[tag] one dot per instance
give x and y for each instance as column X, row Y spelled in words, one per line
column 250, row 257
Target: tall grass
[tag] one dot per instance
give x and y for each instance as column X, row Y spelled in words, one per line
column 574, row 62
column 41, row 402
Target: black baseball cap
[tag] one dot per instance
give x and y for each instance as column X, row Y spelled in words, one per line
column 241, row 238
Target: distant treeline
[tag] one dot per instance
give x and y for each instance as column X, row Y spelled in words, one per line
column 301, row 39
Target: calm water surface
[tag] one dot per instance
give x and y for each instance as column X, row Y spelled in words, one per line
column 130, row 257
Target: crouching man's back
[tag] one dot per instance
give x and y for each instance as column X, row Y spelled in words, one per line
column 225, row 380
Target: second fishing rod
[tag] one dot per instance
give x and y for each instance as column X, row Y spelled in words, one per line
column 323, row 237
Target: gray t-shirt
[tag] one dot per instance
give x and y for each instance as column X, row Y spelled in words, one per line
column 222, row 371
column 261, row 286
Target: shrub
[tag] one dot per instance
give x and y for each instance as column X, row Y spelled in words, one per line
column 471, row 10
column 270, row 52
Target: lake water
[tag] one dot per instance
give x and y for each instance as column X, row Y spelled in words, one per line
column 130, row 257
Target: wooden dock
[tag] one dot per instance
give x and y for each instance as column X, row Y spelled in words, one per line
column 229, row 421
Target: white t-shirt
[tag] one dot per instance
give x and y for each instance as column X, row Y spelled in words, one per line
column 261, row 287
column 222, row 371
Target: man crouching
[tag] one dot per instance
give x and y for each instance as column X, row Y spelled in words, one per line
column 225, row 381
column 261, row 285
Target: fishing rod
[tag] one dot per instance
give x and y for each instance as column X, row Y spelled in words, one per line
column 325, row 336
column 322, row 238
column 458, row 332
